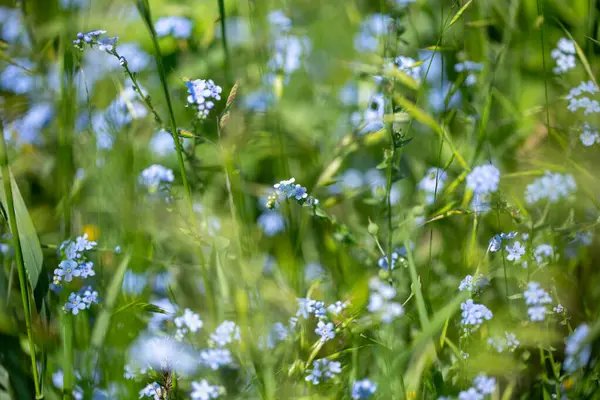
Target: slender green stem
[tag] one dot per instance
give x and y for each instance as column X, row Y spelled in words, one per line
column 144, row 10
column 416, row 285
column 67, row 338
column 224, row 37
column 12, row 219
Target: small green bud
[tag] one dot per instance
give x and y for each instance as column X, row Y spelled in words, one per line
column 373, row 228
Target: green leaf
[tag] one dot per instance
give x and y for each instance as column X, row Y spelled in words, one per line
column 32, row 251
column 459, row 14
column 114, row 288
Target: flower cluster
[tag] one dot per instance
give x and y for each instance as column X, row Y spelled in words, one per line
column 153, row 390
column 496, row 242
column 509, row 341
column 73, row 262
column 121, row 112
column 482, row 386
column 96, row 38
column 577, row 352
column 203, row 94
column 178, row 27
column 397, row 255
column 589, row 135
column 371, row 30
column 543, row 253
column 470, row 68
column 204, row 391
column 81, row 301
column 564, row 54
column 363, row 389
column 323, row 370
column 433, row 183
column 290, row 190
column 551, row 187
column 188, row 322
column 587, row 104
column 380, row 301
column 473, row 315
column 483, row 179
column 156, row 178
column 536, row 298
column 325, row 329
column 216, row 358
column 471, row 284
column 226, row 333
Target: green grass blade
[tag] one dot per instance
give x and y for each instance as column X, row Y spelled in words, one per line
column 30, row 245
column 114, row 288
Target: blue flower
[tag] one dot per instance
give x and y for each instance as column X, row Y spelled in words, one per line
column 75, row 304
column 134, row 283
column 363, row 389
column 90, row 296
column 153, row 390
column 204, row 391
column 156, row 177
column 323, row 369
column 325, row 330
column 216, row 358
column 162, row 143
column 87, row 269
column 271, row 222
column 67, row 269
column 226, row 333
column 483, row 179
column 577, row 352
column 178, row 27
column 202, row 93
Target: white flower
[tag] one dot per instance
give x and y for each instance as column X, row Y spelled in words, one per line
column 226, row 333
column 204, row 391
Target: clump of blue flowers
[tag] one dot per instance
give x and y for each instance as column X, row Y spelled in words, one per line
column 97, row 38
column 290, row 190
column 536, row 298
column 551, row 187
column 176, row 26
column 203, row 94
column 564, row 55
column 363, row 389
column 323, row 370
column 156, row 178
column 577, row 352
column 473, row 315
column 74, row 263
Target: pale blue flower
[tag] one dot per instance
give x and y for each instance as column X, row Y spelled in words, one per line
column 470, row 394
column 162, row 143
column 74, row 304
column 325, row 330
column 204, row 391
column 156, row 177
column 484, row 384
column 29, row 126
column 203, row 94
column 189, row 321
column 87, row 269
column 577, row 352
column 474, row 314
column 552, row 187
column 153, row 390
column 578, row 98
column 483, row 179
column 363, row 389
column 216, row 358
column 470, row 284
column 89, row 296
column 137, row 59
column 67, row 269
column 323, row 370
column 537, row 313
column 515, row 251
column 543, row 252
column 226, row 333
column 133, row 283
column 176, row 26
column 279, row 21
column 564, row 55
column 271, row 222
